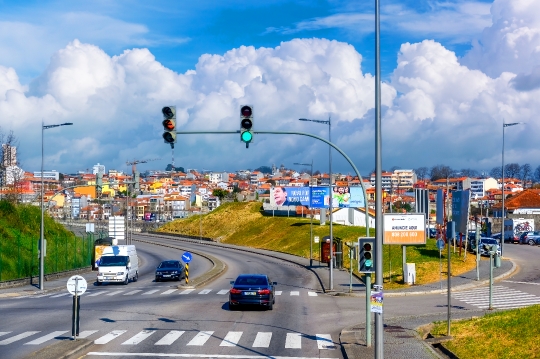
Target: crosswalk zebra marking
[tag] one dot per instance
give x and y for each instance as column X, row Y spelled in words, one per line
column 170, row 337
column 169, row 291
column 312, row 294
column 115, row 292
column 223, row 291
column 17, row 338
column 295, row 293
column 187, row 291
column 150, row 292
column 324, row 341
column 200, row 338
column 293, row 341
column 501, row 298
column 96, row 293
column 86, row 333
column 109, row 336
column 133, row 292
column 205, row 291
column 139, row 337
column 4, row 333
column 60, row 295
column 278, row 292
column 231, row 339
column 262, row 340
column 45, row 338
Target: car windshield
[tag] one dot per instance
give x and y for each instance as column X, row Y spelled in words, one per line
column 113, row 261
column 251, row 281
column 169, row 264
column 491, row 241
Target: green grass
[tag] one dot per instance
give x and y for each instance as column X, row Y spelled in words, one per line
column 19, row 237
column 509, row 334
column 245, row 224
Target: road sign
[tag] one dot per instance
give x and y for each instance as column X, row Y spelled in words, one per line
column 186, row 257
column 440, row 244
column 316, row 239
column 76, row 284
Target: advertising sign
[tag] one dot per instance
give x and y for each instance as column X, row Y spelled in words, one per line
column 460, row 209
column 342, row 196
column 440, row 206
column 406, row 229
column 98, row 253
column 376, row 300
column 289, row 196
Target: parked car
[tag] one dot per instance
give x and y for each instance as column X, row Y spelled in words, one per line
column 170, row 269
column 253, row 289
column 533, row 239
column 485, row 246
column 524, row 237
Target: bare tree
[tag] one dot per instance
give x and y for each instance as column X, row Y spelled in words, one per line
column 511, row 170
column 421, row 172
column 526, row 173
column 469, row 172
column 496, row 172
column 536, row 175
column 440, row 171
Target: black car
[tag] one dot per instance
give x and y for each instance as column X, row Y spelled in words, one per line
column 170, row 269
column 254, row 289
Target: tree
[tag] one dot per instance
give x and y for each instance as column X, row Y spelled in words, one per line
column 421, row 172
column 526, row 173
column 496, row 172
column 468, row 172
column 511, row 170
column 264, row 169
column 536, row 175
column 220, row 193
column 440, row 171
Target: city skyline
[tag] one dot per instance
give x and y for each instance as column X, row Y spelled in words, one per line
column 452, row 73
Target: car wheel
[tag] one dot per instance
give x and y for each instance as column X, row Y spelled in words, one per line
column 271, row 306
column 136, row 278
column 127, row 280
column 98, row 283
column 531, row 242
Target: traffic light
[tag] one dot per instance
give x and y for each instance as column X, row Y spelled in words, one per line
column 367, row 255
column 169, row 124
column 246, row 124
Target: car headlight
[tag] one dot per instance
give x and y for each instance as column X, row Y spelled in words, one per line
column 120, row 273
column 174, row 272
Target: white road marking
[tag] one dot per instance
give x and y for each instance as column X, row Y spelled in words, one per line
column 133, row 292
column 17, row 337
column 262, row 340
column 295, row 292
column 278, row 292
column 187, row 291
column 324, row 341
column 231, row 339
column 200, row 338
column 139, row 337
column 169, row 291
column 205, row 291
column 293, row 341
column 512, row 281
column 223, row 291
column 86, row 333
column 45, row 338
column 61, row 295
column 116, row 292
column 312, row 294
column 96, row 294
column 170, row 337
column 209, row 356
column 110, row 336
column 150, row 292
column 4, row 333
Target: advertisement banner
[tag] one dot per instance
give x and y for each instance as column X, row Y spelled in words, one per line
column 97, row 254
column 440, row 206
column 406, row 229
column 342, row 197
column 289, row 196
column 460, row 209
column 376, row 300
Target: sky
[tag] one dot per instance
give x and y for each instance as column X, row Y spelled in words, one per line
column 452, row 72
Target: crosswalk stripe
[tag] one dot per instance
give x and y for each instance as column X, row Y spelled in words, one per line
column 17, row 337
column 60, row 295
column 293, row 341
column 278, row 292
column 109, row 336
column 231, row 339
column 200, row 338
column 187, row 291
column 45, row 338
column 96, row 293
column 169, row 291
column 150, row 292
column 170, row 337
column 262, row 340
column 324, row 341
column 295, row 292
column 205, row 291
column 133, row 292
column 223, row 291
column 312, row 294
column 501, row 298
column 115, row 292
column 86, row 333
column 4, row 333
column 139, row 337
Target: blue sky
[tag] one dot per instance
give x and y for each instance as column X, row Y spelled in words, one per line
column 452, row 71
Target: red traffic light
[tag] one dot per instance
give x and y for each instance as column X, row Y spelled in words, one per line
column 367, row 246
column 169, row 125
column 246, row 111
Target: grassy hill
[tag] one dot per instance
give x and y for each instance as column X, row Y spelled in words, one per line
column 19, row 236
column 245, row 224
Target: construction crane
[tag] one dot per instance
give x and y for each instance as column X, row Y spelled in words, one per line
column 133, row 164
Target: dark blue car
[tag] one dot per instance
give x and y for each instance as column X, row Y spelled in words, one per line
column 252, row 289
column 170, row 270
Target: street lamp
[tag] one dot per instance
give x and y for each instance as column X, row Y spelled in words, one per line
column 310, row 211
column 41, row 228
column 503, row 213
column 328, row 122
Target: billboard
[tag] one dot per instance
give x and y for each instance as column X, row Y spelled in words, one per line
column 317, row 197
column 460, row 209
column 404, row 228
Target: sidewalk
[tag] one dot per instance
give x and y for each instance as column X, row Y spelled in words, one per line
column 401, row 339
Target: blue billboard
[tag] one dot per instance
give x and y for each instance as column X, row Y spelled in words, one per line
column 342, row 196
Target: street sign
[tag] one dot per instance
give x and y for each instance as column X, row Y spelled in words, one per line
column 316, row 239
column 404, row 229
column 186, row 257
column 440, row 244
column 76, row 284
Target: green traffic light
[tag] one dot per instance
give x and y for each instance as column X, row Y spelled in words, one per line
column 247, row 136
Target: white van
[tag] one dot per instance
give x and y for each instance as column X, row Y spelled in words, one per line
column 118, row 264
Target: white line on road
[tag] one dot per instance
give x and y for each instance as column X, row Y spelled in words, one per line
column 116, row 292
column 262, row 340
column 170, row 337
column 209, row 356
column 293, row 341
column 187, row 291
column 324, row 341
column 45, row 338
column 312, row 294
column 151, row 292
column 231, row 339
column 205, row 291
column 511, row 281
column 86, row 333
column 17, row 337
column 295, row 292
column 139, row 337
column 110, row 336
column 169, row 291
column 278, row 292
column 133, row 292
column 96, row 293
column 223, row 291
column 200, row 338
column 61, row 295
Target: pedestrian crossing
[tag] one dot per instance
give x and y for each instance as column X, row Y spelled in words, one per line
column 178, row 338
column 161, row 292
column 502, row 298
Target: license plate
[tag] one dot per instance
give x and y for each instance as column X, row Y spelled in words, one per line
column 250, row 293
column 166, row 275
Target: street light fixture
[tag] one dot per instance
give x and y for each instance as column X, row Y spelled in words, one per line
column 328, row 122
column 310, row 211
column 503, row 212
column 41, row 228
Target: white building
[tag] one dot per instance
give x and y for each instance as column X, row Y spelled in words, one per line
column 98, row 169
column 479, row 186
column 48, row 175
